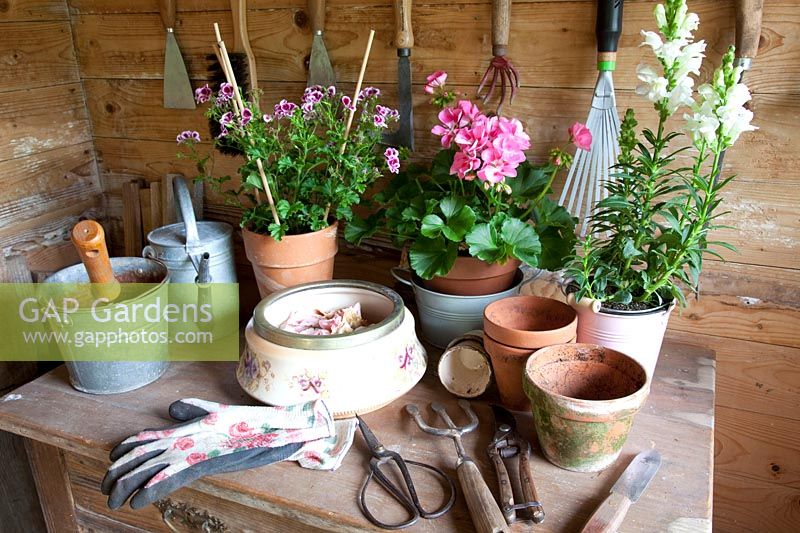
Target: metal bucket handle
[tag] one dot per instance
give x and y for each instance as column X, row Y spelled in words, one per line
column 183, row 203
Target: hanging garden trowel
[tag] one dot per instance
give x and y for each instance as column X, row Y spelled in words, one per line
column 320, row 71
column 178, row 92
column 626, row 491
column 404, row 41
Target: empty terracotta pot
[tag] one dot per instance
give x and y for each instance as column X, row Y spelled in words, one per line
column 473, row 277
column 583, row 398
column 514, row 328
column 293, row 260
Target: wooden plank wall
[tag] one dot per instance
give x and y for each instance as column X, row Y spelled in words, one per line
column 48, row 170
column 750, row 306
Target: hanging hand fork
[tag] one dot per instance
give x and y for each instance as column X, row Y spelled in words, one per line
column 483, row 508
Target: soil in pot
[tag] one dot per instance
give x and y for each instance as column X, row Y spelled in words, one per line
column 293, row 260
column 472, row 277
column 583, row 398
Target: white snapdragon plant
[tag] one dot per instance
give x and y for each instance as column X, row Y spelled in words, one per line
column 651, row 233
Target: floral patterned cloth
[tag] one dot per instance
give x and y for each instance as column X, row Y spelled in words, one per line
column 227, row 429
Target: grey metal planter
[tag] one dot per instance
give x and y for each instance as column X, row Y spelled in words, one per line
column 443, row 317
column 112, row 377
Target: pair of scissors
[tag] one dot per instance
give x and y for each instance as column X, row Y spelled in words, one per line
column 408, row 498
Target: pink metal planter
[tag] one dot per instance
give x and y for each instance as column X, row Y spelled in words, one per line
column 638, row 334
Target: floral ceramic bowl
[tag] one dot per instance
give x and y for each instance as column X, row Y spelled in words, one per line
column 355, row 372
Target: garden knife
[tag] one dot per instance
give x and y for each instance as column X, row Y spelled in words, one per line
column 404, row 41
column 630, row 485
column 178, row 92
column 320, row 71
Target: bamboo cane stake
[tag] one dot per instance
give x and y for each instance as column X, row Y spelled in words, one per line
column 238, row 106
column 358, row 90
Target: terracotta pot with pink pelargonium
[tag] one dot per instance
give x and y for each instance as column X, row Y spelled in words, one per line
column 478, row 209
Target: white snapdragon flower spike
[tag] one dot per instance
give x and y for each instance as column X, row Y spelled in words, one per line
column 721, row 108
column 678, row 55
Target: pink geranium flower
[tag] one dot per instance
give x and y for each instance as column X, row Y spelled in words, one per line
column 435, row 80
column 581, row 136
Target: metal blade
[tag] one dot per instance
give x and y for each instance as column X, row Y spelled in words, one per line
column 503, row 416
column 404, row 136
column 178, row 92
column 638, row 475
column 320, row 70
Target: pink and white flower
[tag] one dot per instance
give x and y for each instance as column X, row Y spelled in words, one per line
column 434, row 81
column 392, row 157
column 225, row 92
column 187, row 136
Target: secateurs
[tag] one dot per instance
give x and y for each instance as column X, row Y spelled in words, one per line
column 508, row 443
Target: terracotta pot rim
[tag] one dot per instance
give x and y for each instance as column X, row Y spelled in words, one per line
column 293, row 237
column 636, row 398
column 488, row 339
column 417, row 284
column 493, row 328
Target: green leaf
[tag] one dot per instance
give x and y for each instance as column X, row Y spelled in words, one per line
column 432, row 226
column 359, row 229
column 629, row 250
column 557, row 244
column 484, row 243
column 432, row 257
column 523, row 240
column 530, row 180
column 451, row 205
column 459, row 224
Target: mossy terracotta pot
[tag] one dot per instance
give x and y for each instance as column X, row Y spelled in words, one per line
column 473, row 277
column 514, row 328
column 583, row 398
column 294, row 260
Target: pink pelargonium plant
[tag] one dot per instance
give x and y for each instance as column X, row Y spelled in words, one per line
column 489, row 148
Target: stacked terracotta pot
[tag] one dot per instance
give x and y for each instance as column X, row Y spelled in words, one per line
column 516, row 327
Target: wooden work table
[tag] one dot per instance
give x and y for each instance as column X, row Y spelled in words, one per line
column 69, row 435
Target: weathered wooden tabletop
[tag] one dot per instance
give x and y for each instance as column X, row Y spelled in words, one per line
column 678, row 419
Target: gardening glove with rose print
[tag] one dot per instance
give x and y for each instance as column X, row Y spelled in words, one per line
column 214, row 438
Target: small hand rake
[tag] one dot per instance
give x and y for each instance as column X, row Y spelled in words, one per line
column 485, row 513
column 501, row 70
column 585, row 185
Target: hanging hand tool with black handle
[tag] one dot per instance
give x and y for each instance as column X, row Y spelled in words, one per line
column 590, row 170
column 404, row 41
column 508, row 443
column 178, row 92
column 626, row 491
column 320, row 71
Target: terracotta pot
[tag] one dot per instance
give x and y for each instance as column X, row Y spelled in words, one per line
column 473, row 277
column 530, row 321
column 293, row 260
column 583, row 398
column 514, row 328
column 636, row 333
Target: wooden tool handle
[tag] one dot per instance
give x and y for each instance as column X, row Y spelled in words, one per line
column 486, row 515
column 528, row 488
column 167, row 9
column 504, row 481
column 609, row 516
column 403, row 34
column 236, row 7
column 748, row 27
column 316, row 14
column 501, row 24
column 241, row 40
column 90, row 242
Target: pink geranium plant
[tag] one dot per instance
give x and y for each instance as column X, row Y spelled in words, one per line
column 313, row 170
column 479, row 196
